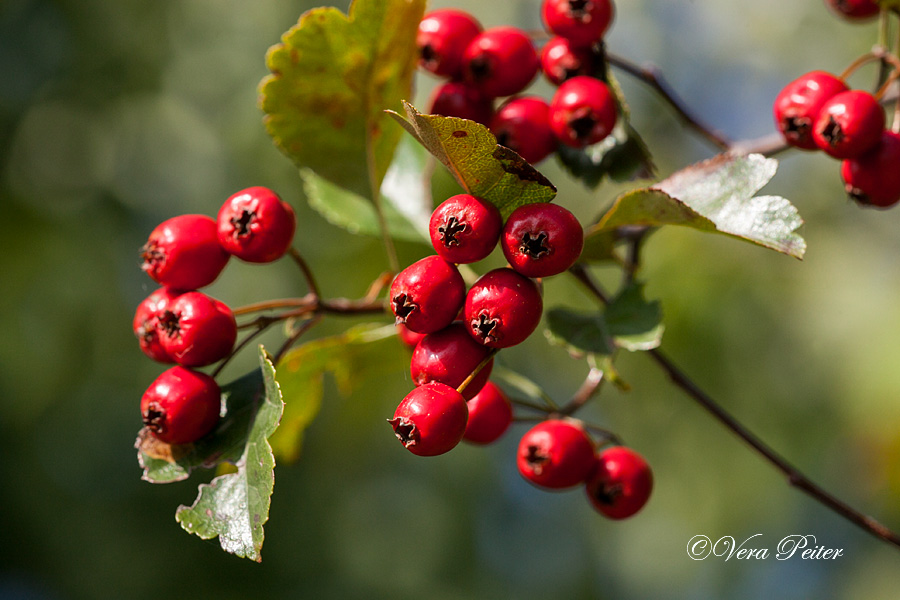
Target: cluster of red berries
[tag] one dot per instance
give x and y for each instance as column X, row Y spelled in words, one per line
column 178, row 324
column 483, row 65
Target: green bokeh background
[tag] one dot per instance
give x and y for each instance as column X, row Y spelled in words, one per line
column 115, row 115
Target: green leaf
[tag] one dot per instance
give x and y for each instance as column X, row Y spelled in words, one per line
column 356, row 356
column 580, row 333
column 333, row 75
column 234, row 507
column 713, row 196
column 483, row 168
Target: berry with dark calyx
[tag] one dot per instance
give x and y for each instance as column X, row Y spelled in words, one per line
column 409, row 338
column 581, row 21
column 184, row 252
column 431, row 419
column 196, row 330
column 503, row 308
column 490, row 415
column 854, row 10
column 426, row 296
column 449, row 356
column 462, row 100
column 582, row 112
column 181, row 406
column 621, row 482
column 561, row 60
column 873, row 179
column 541, row 239
column 849, row 124
column 442, row 38
column 522, row 124
column 501, row 61
column 465, row 229
column 555, row 454
column 256, row 225
column 146, row 323
column 798, row 103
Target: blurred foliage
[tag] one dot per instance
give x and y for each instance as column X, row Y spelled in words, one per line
column 115, row 115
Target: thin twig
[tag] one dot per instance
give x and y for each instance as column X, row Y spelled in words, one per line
column 586, row 391
column 307, row 272
column 307, row 325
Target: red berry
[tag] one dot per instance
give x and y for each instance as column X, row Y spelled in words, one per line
column 523, row 124
column 620, row 483
column 490, row 414
column 442, row 38
column 465, row 229
column 849, row 124
column 181, row 406
column 561, row 60
column 581, row 21
column 409, row 338
column 854, row 10
column 501, row 61
column 555, row 454
column 459, row 99
column 197, row 330
column 431, row 419
column 426, row 295
column 798, row 103
column 540, row 240
column 184, row 252
column 503, row 308
column 146, row 323
column 256, row 225
column 873, row 179
column 449, row 356
column 582, row 112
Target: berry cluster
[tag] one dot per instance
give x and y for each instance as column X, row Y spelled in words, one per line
column 483, row 65
column 178, row 324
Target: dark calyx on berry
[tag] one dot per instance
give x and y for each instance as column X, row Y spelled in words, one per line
column 535, row 247
column 580, row 9
column 449, row 230
column 405, row 431
column 170, row 323
column 242, row 223
column 796, row 128
column 403, row 306
column 483, row 326
column 832, row 132
column 607, row 493
column 582, row 123
column 152, row 256
column 154, row 418
column 536, row 458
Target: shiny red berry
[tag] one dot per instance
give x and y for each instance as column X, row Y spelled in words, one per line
column 542, row 239
column 555, row 454
column 462, row 100
column 849, row 124
column 854, row 10
column 431, row 419
column 501, row 61
column 582, row 112
column 503, row 308
column 196, row 330
column 256, row 225
column 465, row 229
column 146, row 323
column 798, row 103
column 442, row 38
column 621, row 482
column 181, row 406
column 522, row 124
column 873, row 179
column 561, row 60
column 184, row 252
column 449, row 356
column 426, row 295
column 582, row 21
column 490, row 415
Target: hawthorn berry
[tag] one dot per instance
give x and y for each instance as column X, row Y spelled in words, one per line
column 562, row 60
column 582, row 21
column 873, row 179
column 849, row 124
column 184, row 252
column 426, row 295
column 490, row 415
column 621, row 482
column 502, row 308
column 256, row 225
column 449, row 356
column 181, row 406
column 442, row 38
column 431, row 419
column 582, row 111
column 854, row 10
column 196, row 330
column 500, row 61
column 555, row 454
column 522, row 124
column 460, row 99
column 409, row 338
column 464, row 229
column 541, row 239
column 798, row 103
column 146, row 323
